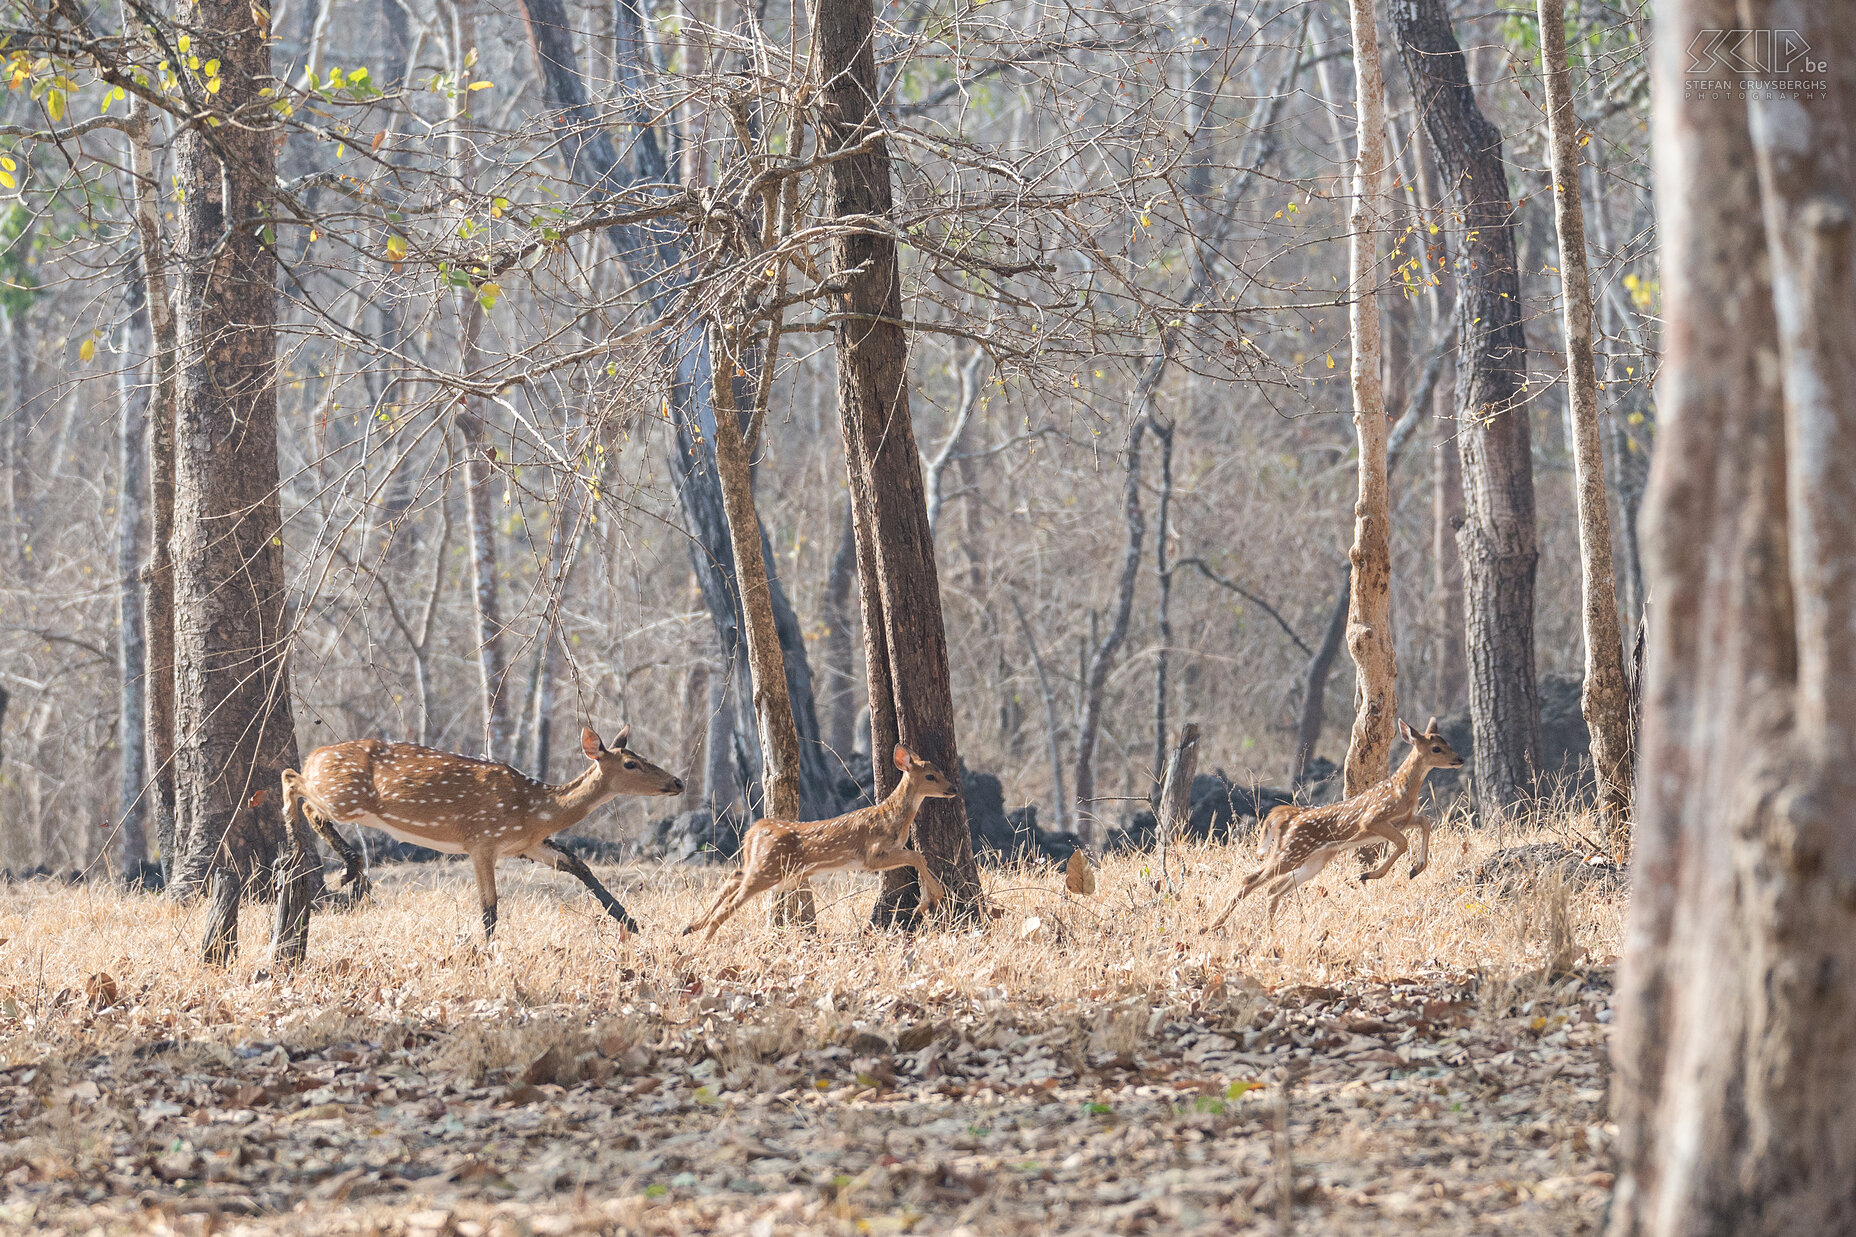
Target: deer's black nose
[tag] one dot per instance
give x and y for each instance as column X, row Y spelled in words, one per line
column 676, row 785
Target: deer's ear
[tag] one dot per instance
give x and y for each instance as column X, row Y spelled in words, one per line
column 590, row 744
column 620, row 739
column 1404, row 732
column 903, row 757
column 1430, row 727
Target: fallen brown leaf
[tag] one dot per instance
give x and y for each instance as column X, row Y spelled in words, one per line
column 101, row 990
column 1078, row 876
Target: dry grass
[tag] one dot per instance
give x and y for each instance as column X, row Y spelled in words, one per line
column 407, row 969
column 417, row 941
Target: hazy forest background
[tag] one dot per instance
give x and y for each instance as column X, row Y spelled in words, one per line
column 1121, row 228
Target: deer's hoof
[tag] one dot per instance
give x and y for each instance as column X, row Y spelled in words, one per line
column 687, row 931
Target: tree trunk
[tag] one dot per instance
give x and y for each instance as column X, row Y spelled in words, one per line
column 1172, row 802
column 232, row 705
column 653, row 253
column 492, row 663
column 695, row 728
column 1163, row 577
column 773, row 709
column 1734, row 1052
column 840, row 654
column 1369, row 606
column 905, row 642
column 158, row 574
column 1605, row 699
column 1060, row 803
column 1496, row 541
column 1446, row 600
column 1099, row 654
column 131, row 633
column 1315, row 684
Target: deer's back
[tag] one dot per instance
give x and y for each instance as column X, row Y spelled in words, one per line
column 403, row 789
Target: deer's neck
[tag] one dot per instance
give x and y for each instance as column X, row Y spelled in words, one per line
column 1409, row 778
column 899, row 808
column 573, row 800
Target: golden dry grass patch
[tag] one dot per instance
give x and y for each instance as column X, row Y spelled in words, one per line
column 414, row 947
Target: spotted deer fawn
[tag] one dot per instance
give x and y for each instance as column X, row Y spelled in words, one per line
column 1299, row 841
column 463, row 806
column 780, row 854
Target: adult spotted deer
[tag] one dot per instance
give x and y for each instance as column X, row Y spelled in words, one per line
column 1299, row 841
column 780, row 853
column 463, row 806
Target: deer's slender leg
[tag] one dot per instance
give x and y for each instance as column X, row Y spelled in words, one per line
column 295, row 800
column 1268, row 871
column 1424, row 845
column 752, row 885
column 932, row 890
column 549, row 854
column 483, row 862
column 728, row 889
column 1392, row 834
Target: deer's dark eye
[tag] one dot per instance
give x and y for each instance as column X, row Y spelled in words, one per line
column 1437, row 749
column 631, row 764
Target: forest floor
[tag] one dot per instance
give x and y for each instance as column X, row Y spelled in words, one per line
column 1080, row 1065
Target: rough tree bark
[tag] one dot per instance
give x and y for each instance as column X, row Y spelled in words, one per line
column 1735, row 1049
column 1496, row 541
column 233, row 726
column 905, row 641
column 1369, row 606
column 1605, row 700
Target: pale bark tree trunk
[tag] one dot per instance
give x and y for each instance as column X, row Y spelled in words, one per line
column 1496, row 541
column 1735, row 1059
column 493, row 686
column 840, row 653
column 1605, row 700
column 1163, row 612
column 1369, row 606
column 695, row 728
column 905, row 641
column 233, row 726
column 492, row 662
column 158, row 574
column 132, row 397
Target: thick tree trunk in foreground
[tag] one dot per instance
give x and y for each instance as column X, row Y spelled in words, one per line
column 1369, row 607
column 1606, row 698
column 234, row 733
column 1496, row 541
column 1735, row 1048
column 905, row 641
